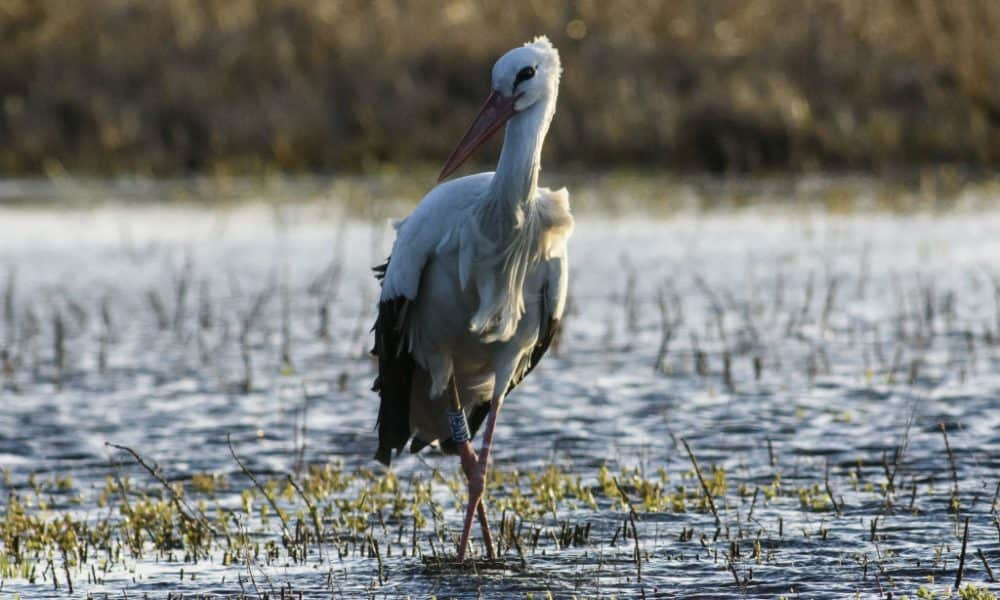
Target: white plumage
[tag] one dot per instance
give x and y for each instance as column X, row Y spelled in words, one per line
column 476, row 283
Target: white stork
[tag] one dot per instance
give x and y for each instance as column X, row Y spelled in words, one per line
column 474, row 289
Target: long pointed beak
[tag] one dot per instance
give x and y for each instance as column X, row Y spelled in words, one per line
column 497, row 111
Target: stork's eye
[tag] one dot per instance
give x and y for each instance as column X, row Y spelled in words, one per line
column 524, row 74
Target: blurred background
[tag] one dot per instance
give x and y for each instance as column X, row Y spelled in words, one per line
column 728, row 86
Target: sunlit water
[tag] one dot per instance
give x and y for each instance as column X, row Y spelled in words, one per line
column 840, row 331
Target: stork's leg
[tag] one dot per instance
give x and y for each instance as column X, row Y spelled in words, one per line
column 476, row 472
column 484, row 524
column 477, row 483
column 484, row 461
column 470, row 466
column 491, row 423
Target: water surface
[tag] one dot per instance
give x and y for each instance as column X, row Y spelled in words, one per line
column 806, row 349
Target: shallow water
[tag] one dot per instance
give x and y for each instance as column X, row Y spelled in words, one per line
column 847, row 336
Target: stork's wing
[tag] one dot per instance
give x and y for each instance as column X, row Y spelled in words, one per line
column 553, row 304
column 417, row 239
column 395, row 373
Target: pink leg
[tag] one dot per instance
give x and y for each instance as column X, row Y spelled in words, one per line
column 477, row 483
column 484, row 524
column 475, row 471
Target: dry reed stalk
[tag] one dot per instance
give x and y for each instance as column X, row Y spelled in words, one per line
column 179, row 503
column 961, row 558
column 701, row 479
column 260, row 488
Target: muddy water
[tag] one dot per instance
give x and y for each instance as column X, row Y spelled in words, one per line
column 811, row 358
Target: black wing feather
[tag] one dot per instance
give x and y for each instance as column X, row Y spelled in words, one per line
column 395, row 374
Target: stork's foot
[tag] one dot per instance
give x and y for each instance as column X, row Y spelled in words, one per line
column 476, row 474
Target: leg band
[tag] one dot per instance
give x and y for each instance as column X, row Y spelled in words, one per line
column 459, row 427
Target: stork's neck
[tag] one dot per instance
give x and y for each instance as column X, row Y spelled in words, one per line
column 515, row 182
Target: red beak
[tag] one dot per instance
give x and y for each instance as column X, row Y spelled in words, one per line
column 497, row 111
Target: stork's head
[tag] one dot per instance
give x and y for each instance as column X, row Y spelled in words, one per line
column 522, row 78
column 527, row 74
